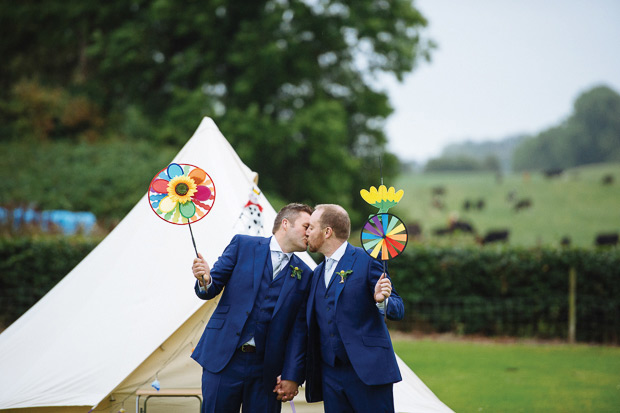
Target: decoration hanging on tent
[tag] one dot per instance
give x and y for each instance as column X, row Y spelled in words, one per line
column 156, row 384
column 250, row 220
column 182, row 194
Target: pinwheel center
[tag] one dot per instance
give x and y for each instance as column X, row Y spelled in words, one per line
column 181, row 189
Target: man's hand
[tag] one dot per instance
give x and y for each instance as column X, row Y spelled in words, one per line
column 383, row 289
column 201, row 271
column 286, row 389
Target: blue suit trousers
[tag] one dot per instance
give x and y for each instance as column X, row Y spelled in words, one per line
column 241, row 383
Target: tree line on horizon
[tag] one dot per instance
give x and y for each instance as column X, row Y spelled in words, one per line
column 290, row 84
column 591, row 134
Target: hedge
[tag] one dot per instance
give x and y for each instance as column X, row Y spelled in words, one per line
column 474, row 290
column 510, row 291
column 30, row 267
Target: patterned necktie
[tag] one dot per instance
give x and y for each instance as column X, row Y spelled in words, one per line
column 278, row 264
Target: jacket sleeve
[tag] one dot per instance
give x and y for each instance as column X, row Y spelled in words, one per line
column 395, row 306
column 221, row 271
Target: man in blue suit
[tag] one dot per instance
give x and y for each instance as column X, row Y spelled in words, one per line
column 256, row 337
column 351, row 363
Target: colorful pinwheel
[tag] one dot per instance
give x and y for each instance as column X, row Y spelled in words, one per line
column 181, row 193
column 384, row 236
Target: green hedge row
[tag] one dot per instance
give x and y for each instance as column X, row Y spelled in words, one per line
column 511, row 291
column 29, row 268
column 473, row 290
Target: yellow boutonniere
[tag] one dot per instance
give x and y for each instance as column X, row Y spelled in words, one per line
column 343, row 275
column 296, row 272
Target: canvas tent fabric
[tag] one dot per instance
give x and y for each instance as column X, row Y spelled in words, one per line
column 127, row 313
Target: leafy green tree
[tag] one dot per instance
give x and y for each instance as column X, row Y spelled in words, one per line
column 289, row 82
column 591, row 134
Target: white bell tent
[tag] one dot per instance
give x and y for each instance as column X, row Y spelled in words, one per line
column 127, row 314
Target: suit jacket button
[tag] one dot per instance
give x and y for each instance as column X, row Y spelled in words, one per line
column 238, row 334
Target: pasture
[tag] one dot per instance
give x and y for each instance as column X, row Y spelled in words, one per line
column 577, row 204
column 516, row 377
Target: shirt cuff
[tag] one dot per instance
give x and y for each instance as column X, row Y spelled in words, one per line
column 204, row 289
column 381, row 306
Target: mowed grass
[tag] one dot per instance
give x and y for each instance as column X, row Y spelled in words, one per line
column 519, row 377
column 576, row 204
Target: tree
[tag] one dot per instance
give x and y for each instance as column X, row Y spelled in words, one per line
column 591, row 134
column 290, row 82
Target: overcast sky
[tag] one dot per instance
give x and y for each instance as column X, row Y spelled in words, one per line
column 502, row 67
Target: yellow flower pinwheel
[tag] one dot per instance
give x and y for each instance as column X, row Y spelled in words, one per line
column 382, row 198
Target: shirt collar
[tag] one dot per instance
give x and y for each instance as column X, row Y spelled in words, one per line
column 337, row 255
column 275, row 247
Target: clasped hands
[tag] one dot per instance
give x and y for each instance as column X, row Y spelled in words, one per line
column 201, row 271
column 286, row 389
column 383, row 288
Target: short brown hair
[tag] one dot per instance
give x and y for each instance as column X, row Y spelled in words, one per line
column 290, row 212
column 337, row 218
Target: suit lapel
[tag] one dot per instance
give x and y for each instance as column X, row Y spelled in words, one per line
column 262, row 260
column 318, row 276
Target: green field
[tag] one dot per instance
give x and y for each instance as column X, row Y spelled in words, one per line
column 575, row 204
column 518, row 377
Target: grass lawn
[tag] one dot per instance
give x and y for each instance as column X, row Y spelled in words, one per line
column 575, row 204
column 517, row 377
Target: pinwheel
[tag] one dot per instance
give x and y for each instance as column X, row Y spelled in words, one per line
column 182, row 194
column 384, row 236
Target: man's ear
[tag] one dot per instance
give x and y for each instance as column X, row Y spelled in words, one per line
column 284, row 223
column 328, row 232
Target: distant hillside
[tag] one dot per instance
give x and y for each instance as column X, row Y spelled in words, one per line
column 502, row 150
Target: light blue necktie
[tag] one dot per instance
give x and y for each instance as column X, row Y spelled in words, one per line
column 279, row 263
column 329, row 267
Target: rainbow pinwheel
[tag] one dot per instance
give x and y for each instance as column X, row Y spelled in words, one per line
column 181, row 193
column 384, row 236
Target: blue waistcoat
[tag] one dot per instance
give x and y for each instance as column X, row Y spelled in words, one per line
column 332, row 346
column 258, row 321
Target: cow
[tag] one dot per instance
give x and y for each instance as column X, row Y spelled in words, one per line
column 553, row 172
column 494, row 236
column 606, row 239
column 522, row 204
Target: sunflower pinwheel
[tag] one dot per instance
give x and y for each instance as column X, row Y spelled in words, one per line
column 181, row 194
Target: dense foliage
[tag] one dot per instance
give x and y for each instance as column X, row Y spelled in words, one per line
column 29, row 268
column 288, row 82
column 106, row 179
column 508, row 291
column 590, row 135
column 462, row 163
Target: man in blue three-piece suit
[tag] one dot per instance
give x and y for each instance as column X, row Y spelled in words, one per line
column 253, row 348
column 350, row 360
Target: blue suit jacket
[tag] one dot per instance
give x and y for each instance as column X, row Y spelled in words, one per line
column 360, row 324
column 240, row 269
